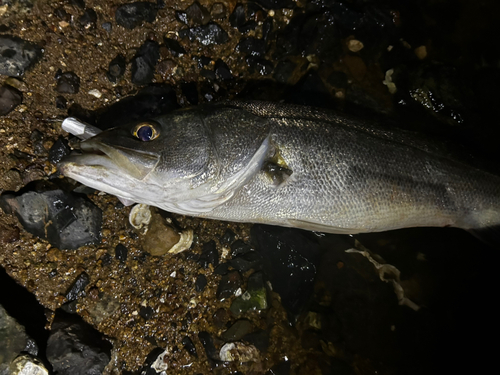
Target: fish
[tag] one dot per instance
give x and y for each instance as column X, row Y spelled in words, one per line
column 286, row 165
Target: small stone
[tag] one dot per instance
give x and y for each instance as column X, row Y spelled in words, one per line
column 146, row 312
column 10, row 98
column 134, row 14
column 222, row 71
column 181, row 16
column 243, row 16
column 62, row 14
column 143, row 63
column 354, row 45
column 221, row 317
column 96, row 93
column 107, row 26
column 190, row 91
column 17, row 55
column 77, row 287
column 208, row 34
column 208, row 343
column 16, row 83
column 140, row 216
column 174, row 47
column 421, row 52
column 237, row 351
column 68, row 83
column 59, row 149
column 245, row 262
column 200, row 283
column 61, row 102
column 116, row 68
column 238, row 330
column 229, row 284
column 239, row 247
column 189, row 346
column 259, row 339
column 121, row 253
column 252, row 46
column 209, row 255
column 218, row 11
column 228, row 237
column 26, row 365
column 88, row 18
column 167, row 68
column 255, row 298
column 198, row 14
column 262, row 66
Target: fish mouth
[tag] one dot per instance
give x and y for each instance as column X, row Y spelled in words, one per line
column 116, row 160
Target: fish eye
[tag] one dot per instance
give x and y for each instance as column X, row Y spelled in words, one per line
column 146, row 131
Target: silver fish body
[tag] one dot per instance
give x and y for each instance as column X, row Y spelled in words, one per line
column 287, row 165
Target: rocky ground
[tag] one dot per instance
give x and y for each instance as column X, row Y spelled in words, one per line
column 92, row 294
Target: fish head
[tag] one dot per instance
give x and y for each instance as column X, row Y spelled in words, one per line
column 183, row 162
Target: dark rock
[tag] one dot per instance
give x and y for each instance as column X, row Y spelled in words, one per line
column 77, row 287
column 190, row 91
column 243, row 16
column 62, row 14
column 75, row 348
column 17, row 55
column 68, row 221
column 208, row 74
column 239, row 329
column 290, row 260
column 147, row 368
column 150, row 102
column 116, row 68
column 208, row 34
column 240, row 247
column 174, row 47
column 181, row 16
column 36, row 138
column 61, row 102
column 89, row 18
column 10, row 98
column 189, row 346
column 68, row 83
column 228, row 237
column 58, row 150
column 209, row 254
column 208, row 343
column 146, row 312
column 262, row 66
column 337, row 80
column 259, row 339
column 222, row 71
column 107, row 26
column 203, row 61
column 247, row 261
column 282, row 368
column 198, row 14
column 134, row 14
column 284, row 71
column 255, row 297
column 106, row 259
column 80, row 4
column 229, row 284
column 218, row 11
column 121, row 253
column 252, row 46
column 222, row 269
column 143, row 63
column 200, row 283
column 221, row 317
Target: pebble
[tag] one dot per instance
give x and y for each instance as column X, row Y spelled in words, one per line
column 245, row 262
column 208, row 34
column 77, row 287
column 59, row 149
column 143, row 63
column 17, row 55
column 238, row 330
column 67, row 83
column 167, row 68
column 259, row 339
column 240, row 247
column 209, row 255
column 252, row 46
column 88, row 18
column 96, row 93
column 67, row 220
column 237, row 351
column 61, row 102
column 221, row 317
column 243, row 16
column 174, row 47
column 74, row 347
column 189, row 346
column 116, row 68
column 262, row 66
column 16, row 83
column 190, row 91
column 208, row 343
column 228, row 237
column 146, row 312
column 255, row 298
column 218, row 11
column 10, row 98
column 200, row 283
column 198, row 14
column 121, row 253
column 222, row 71
column 229, row 284
column 355, row 45
column 134, row 14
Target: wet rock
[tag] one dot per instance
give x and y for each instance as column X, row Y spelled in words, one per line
column 247, row 261
column 290, row 260
column 189, row 346
column 198, row 14
column 284, row 71
column 255, row 297
column 222, row 269
column 17, row 55
column 218, row 11
column 174, row 47
column 208, row 343
column 237, row 351
column 61, row 102
column 209, row 255
column 65, row 220
column 262, row 66
column 229, row 284
column 153, row 359
column 107, row 26
column 181, row 16
column 143, row 63
column 10, row 98
column 252, row 46
column 134, row 14
column 160, row 237
column 243, row 16
column 148, row 103
column 228, row 237
column 200, row 283
column 67, row 83
column 208, row 34
column 239, row 329
column 25, row 365
column 146, row 312
column 240, row 247
column 116, row 68
column 222, row 71
column 88, row 19
column 221, row 317
column 59, row 149
column 259, row 339
column 75, row 348
column 78, row 287
column 190, row 91
column 14, row 340
column 121, row 253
